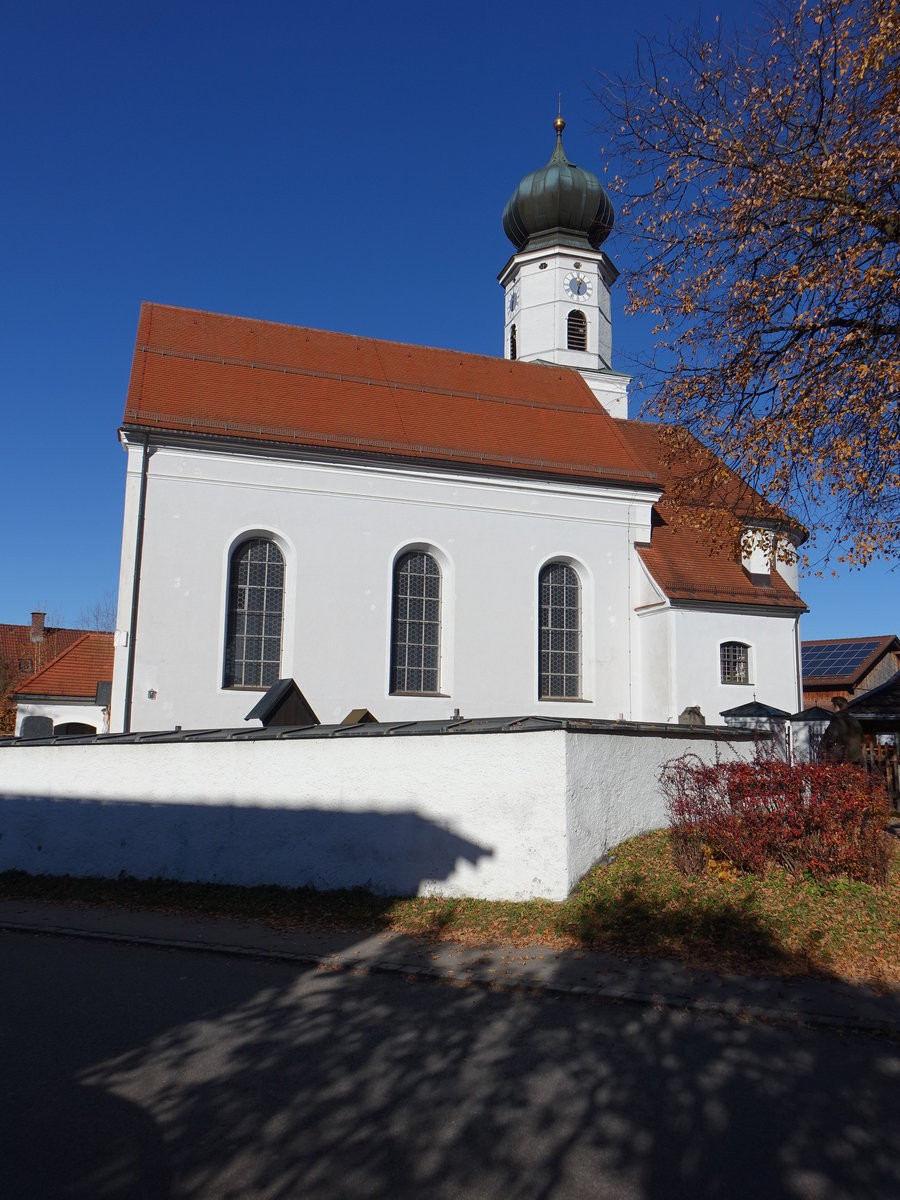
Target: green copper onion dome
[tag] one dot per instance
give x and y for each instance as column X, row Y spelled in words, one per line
column 558, row 203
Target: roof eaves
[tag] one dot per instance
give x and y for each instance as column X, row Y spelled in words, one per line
column 232, row 432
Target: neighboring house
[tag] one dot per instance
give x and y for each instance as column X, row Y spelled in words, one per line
column 417, row 531
column 846, row 667
column 25, row 649
column 72, row 692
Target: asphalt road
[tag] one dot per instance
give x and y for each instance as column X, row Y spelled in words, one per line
column 142, row 1072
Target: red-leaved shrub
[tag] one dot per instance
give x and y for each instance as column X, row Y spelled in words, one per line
column 827, row 819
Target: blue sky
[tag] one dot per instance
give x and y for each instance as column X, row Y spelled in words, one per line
column 340, row 166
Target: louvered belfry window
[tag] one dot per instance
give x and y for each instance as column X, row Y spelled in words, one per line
column 416, row 624
column 255, row 615
column 734, row 660
column 513, row 349
column 560, row 645
column 576, row 330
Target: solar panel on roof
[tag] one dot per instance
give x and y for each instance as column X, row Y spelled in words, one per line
column 832, row 659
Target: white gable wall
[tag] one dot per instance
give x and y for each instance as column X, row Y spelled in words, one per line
column 698, row 634
column 341, row 527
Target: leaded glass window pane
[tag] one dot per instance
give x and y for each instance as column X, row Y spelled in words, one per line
column 416, row 624
column 734, row 660
column 255, row 615
column 560, row 633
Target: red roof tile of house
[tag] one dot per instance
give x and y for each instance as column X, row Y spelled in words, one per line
column 75, row 672
column 16, row 647
column 234, row 377
column 683, row 560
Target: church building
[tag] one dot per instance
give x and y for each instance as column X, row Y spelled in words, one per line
column 421, row 532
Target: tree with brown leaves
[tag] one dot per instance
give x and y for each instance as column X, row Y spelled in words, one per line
column 761, row 185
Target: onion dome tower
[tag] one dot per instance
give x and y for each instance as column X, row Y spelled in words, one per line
column 557, row 284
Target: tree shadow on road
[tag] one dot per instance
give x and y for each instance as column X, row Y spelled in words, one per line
column 270, row 1080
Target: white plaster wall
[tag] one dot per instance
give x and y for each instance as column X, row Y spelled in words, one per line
column 612, row 787
column 698, row 634
column 476, row 815
column 341, row 528
column 126, row 582
column 59, row 712
column 497, row 816
column 655, row 652
column 806, row 738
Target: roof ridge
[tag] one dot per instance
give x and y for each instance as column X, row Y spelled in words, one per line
column 863, row 637
column 513, row 364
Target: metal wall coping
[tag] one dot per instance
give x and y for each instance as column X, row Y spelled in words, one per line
column 451, row 725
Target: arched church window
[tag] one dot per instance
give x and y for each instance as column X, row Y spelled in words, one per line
column 416, row 624
column 255, row 615
column 560, row 633
column 576, row 330
column 512, row 342
column 734, row 662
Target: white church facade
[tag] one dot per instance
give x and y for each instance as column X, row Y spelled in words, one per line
column 421, row 532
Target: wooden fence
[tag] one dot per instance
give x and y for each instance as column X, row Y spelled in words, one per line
column 883, row 760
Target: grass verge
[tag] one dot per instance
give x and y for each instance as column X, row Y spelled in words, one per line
column 636, row 904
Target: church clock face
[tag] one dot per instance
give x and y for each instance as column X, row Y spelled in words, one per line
column 578, row 286
column 513, row 301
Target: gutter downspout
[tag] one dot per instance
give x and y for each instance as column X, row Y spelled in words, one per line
column 136, row 583
column 798, row 662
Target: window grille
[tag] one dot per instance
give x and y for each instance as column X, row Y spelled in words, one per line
column 560, row 644
column 512, row 342
column 255, row 614
column 576, row 330
column 416, row 624
column 734, row 660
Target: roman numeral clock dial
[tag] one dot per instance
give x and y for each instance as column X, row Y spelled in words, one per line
column 578, row 286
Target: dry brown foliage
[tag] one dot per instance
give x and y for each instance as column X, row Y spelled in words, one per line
column 760, row 181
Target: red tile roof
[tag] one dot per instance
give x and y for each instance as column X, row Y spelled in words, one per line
column 683, row 560
column 16, row 646
column 229, row 376
column 75, row 672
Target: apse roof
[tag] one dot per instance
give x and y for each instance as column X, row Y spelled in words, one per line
column 682, row 558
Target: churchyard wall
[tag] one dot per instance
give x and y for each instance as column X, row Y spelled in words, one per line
column 497, row 816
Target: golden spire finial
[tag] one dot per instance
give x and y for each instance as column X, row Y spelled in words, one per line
column 559, row 124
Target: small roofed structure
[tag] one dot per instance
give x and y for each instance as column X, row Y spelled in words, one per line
column 359, row 716
column 72, row 691
column 761, row 717
column 282, row 705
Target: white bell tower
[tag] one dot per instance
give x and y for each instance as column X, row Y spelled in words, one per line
column 557, row 285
